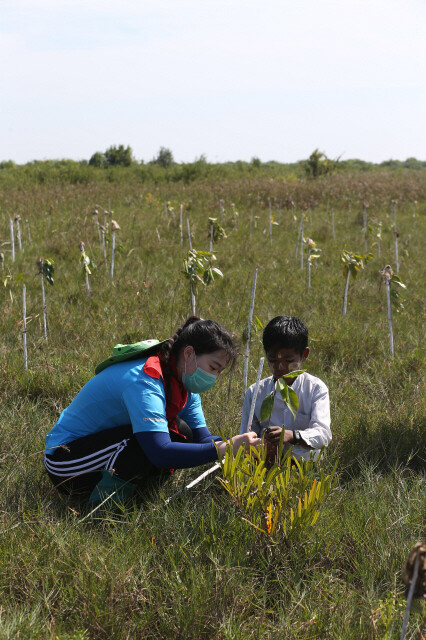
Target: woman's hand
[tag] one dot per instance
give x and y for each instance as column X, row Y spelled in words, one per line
column 249, row 439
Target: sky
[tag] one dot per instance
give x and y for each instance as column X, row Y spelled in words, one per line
column 229, row 79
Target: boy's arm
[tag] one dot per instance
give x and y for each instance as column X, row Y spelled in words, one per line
column 318, row 433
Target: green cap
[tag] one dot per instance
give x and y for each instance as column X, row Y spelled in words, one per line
column 122, row 352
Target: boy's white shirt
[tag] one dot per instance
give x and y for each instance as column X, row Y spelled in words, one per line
column 312, row 418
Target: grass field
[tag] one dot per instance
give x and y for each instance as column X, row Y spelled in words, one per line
column 194, row 568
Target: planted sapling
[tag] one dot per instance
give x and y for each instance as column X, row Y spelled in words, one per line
column 46, row 270
column 352, row 264
column 393, row 296
column 85, row 262
column 313, row 254
column 197, row 267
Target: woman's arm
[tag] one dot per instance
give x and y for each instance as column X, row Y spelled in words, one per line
column 165, row 454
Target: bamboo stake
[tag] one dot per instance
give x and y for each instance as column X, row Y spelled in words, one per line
column 250, row 318
column 270, row 221
column 24, row 326
column 301, row 248
column 180, row 223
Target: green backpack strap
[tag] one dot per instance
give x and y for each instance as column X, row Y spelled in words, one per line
column 122, row 352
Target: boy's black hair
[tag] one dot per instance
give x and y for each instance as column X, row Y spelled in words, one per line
column 285, row 332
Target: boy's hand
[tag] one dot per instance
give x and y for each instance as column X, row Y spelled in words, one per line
column 273, row 435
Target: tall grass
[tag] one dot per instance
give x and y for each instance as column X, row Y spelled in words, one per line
column 194, row 568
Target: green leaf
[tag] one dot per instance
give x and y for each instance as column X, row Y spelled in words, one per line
column 293, row 401
column 267, row 406
column 294, row 374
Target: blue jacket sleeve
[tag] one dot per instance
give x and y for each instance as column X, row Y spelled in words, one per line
column 165, row 454
column 202, row 434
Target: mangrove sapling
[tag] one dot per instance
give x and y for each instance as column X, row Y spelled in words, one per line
column 197, row 267
column 313, row 254
column 352, row 265
column 85, row 262
column 392, row 295
column 247, row 349
column 280, row 500
column 114, row 227
column 12, row 239
column 46, row 269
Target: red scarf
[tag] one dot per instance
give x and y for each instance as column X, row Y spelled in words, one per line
column 176, row 394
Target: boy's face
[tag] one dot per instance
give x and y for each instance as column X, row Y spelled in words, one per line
column 282, row 361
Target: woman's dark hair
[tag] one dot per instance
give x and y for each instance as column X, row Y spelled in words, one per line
column 285, row 332
column 205, row 336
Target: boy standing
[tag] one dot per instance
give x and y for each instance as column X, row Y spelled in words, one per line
column 285, row 341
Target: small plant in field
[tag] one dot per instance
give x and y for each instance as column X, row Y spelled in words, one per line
column 197, row 268
column 85, row 262
column 218, row 230
column 313, row 254
column 393, row 297
column 46, row 269
column 281, row 500
column 353, row 263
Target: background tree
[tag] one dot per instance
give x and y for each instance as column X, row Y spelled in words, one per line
column 164, row 158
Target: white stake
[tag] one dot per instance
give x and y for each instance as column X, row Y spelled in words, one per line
column 244, row 428
column 396, row 234
column 112, row 254
column 298, row 236
column 24, row 325
column 29, row 232
column 389, row 316
column 345, row 295
column 12, row 239
column 43, row 296
column 410, row 596
column 18, row 231
column 180, row 223
column 309, row 269
column 189, row 234
column 301, row 247
column 270, row 221
column 246, row 354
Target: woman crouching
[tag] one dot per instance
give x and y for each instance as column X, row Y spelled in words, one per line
column 139, row 417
